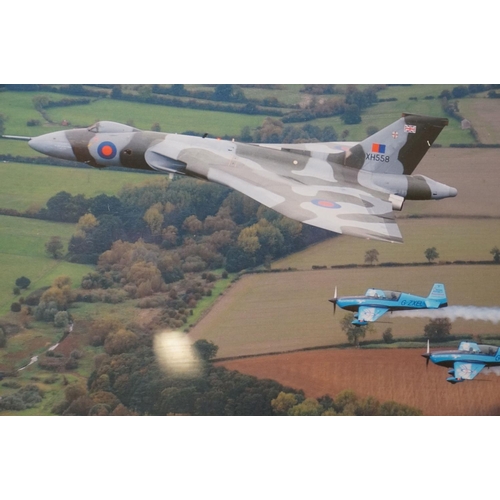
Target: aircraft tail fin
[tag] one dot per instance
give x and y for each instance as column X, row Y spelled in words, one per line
column 438, row 295
column 398, row 148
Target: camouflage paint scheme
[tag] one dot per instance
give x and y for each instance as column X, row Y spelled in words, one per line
column 347, row 188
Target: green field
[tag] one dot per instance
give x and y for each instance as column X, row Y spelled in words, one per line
column 382, row 114
column 18, row 148
column 22, row 253
column 175, row 120
column 18, row 108
column 287, row 311
column 24, row 185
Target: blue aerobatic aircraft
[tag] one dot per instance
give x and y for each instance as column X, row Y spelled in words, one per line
column 375, row 303
column 466, row 362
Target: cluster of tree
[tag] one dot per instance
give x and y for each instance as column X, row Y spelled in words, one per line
column 127, row 380
column 431, row 254
column 438, row 329
column 349, row 106
column 495, row 251
column 347, row 403
column 56, row 362
column 199, row 225
column 22, row 283
column 274, row 130
column 71, row 89
column 53, row 302
column 320, row 89
column 226, row 98
column 41, row 102
column 354, row 333
column 461, row 91
column 26, row 397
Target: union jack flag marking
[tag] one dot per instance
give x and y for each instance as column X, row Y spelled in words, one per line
column 411, row 129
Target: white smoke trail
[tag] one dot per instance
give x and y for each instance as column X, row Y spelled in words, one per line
column 491, row 314
column 492, row 369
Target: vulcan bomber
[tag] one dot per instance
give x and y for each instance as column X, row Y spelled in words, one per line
column 344, row 187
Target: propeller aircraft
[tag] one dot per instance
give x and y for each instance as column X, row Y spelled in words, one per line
column 375, row 303
column 343, row 187
column 466, row 362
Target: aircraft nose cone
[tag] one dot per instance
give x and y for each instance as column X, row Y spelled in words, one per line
column 453, row 192
column 55, row 144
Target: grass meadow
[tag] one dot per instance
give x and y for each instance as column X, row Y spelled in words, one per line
column 17, row 107
column 143, row 116
column 22, row 253
column 24, row 185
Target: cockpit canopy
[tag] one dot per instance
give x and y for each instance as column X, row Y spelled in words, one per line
column 490, row 350
column 111, row 128
column 383, row 294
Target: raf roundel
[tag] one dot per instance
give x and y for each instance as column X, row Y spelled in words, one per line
column 326, row 204
column 107, row 150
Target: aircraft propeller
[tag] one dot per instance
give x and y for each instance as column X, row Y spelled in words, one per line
column 334, row 301
column 427, row 355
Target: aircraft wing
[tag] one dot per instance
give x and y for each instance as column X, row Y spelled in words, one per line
column 467, row 371
column 371, row 314
column 305, row 189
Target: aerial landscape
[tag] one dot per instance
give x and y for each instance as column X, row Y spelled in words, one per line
column 132, row 286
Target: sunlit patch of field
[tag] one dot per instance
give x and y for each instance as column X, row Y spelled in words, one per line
column 271, row 313
column 388, row 375
column 484, row 115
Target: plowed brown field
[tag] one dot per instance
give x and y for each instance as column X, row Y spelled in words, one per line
column 388, row 375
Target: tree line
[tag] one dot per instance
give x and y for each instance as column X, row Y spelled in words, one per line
column 128, row 380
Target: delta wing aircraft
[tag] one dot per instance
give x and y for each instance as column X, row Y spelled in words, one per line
column 466, row 362
column 347, row 188
column 375, row 303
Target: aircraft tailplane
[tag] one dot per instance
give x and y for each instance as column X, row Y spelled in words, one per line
column 398, row 148
column 438, row 295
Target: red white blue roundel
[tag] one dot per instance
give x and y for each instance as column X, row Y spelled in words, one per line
column 326, row 204
column 106, row 150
